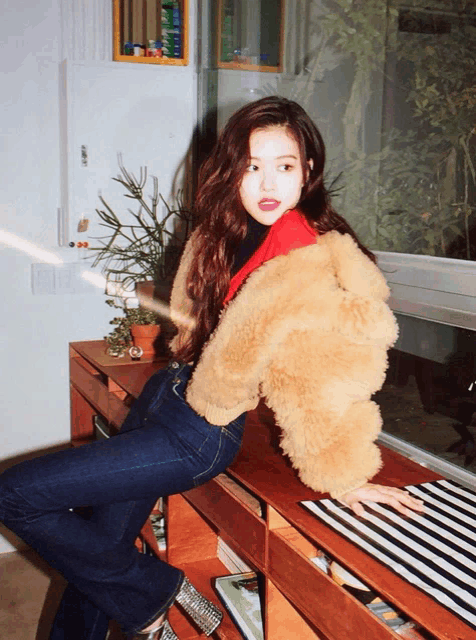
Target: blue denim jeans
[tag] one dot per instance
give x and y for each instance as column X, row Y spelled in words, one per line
column 164, row 447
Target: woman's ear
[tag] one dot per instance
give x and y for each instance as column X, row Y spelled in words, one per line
column 310, row 164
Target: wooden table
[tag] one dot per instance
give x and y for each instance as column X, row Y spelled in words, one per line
column 261, row 519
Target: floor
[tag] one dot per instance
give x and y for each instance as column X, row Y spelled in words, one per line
column 29, row 596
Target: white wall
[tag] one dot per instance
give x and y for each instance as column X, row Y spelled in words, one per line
column 35, row 329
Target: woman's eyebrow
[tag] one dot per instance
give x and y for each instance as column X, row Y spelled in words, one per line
column 276, row 158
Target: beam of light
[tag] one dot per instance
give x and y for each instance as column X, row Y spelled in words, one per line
column 95, row 279
column 11, row 240
column 99, row 281
column 110, row 288
column 164, row 310
column 158, row 307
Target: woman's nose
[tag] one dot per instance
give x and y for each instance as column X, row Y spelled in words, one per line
column 268, row 181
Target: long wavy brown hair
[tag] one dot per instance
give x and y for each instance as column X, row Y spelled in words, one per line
column 221, row 218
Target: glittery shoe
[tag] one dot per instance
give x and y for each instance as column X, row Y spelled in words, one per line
column 162, row 632
column 206, row 615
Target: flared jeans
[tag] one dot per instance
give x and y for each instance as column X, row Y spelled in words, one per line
column 163, row 448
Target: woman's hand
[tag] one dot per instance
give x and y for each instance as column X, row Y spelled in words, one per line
column 399, row 499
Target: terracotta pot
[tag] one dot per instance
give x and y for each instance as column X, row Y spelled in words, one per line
column 144, row 336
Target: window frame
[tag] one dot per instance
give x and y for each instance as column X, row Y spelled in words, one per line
column 436, row 289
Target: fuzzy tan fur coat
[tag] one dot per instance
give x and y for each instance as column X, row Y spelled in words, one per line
column 308, row 331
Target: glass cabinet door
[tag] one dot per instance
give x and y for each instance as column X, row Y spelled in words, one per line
column 250, row 35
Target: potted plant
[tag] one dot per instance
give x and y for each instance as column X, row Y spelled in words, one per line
column 136, row 326
column 139, row 256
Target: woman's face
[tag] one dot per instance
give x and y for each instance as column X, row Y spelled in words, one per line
column 274, row 177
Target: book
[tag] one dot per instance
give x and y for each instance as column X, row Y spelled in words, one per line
column 242, row 494
column 383, row 610
column 321, row 561
column 230, row 559
column 240, row 595
column 102, row 430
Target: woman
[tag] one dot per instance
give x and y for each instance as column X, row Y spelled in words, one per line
column 283, row 302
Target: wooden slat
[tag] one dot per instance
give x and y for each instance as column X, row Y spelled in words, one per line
column 318, row 597
column 232, row 517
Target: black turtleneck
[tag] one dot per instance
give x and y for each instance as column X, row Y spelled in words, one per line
column 255, row 235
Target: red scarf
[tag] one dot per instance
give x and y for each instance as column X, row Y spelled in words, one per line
column 289, row 232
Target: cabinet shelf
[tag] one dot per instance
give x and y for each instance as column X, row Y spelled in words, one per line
column 151, row 31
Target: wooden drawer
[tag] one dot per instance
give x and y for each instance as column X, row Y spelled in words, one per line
column 90, row 384
column 231, row 516
column 94, row 386
column 334, row 611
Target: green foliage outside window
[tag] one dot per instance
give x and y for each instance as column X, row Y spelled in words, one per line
column 415, row 191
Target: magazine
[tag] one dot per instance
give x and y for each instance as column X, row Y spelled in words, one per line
column 240, row 595
column 158, row 527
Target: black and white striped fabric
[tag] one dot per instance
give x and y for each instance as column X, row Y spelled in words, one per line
column 435, row 552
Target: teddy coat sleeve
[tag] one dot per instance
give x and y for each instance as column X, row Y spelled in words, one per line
column 321, row 382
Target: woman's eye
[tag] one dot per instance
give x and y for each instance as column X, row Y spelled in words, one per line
column 286, row 167
column 251, row 168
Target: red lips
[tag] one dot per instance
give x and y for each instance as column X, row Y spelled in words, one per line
column 268, row 204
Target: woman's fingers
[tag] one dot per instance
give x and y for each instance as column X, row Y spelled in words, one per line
column 399, row 505
column 399, row 499
column 357, row 508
